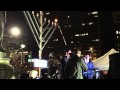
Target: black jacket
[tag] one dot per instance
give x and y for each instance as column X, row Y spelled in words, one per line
column 63, row 64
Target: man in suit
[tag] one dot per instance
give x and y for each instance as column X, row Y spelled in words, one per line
column 64, row 61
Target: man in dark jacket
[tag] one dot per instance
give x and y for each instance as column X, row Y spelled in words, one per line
column 64, row 61
column 75, row 66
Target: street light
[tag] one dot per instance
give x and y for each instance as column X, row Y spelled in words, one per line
column 22, row 47
column 15, row 31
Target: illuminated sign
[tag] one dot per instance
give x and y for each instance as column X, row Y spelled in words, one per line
column 5, row 60
column 30, row 60
column 40, row 63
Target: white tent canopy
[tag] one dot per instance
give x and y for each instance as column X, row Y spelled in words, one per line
column 103, row 62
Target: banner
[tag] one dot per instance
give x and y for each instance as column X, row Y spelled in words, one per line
column 103, row 62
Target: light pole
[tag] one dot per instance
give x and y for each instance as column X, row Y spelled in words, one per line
column 22, row 47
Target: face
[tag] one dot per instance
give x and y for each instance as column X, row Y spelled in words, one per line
column 87, row 57
column 79, row 53
column 68, row 53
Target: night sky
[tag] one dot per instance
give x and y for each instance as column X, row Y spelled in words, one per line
column 71, row 24
column 17, row 18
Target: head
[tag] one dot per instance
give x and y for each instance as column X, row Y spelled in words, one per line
column 88, row 54
column 68, row 52
column 78, row 52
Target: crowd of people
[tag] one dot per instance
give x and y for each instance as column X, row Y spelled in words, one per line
column 75, row 66
column 71, row 66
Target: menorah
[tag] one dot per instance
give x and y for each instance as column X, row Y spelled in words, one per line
column 41, row 30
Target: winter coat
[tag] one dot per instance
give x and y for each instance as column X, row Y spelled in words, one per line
column 63, row 64
column 74, row 68
column 90, row 72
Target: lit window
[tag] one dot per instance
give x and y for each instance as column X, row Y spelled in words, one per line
column 47, row 13
column 86, row 33
column 82, row 34
column 90, row 23
column 88, row 13
column 94, row 12
column 56, row 40
column 119, row 32
column 65, row 26
column 68, row 16
column 97, row 39
column 117, row 36
column 116, row 32
column 83, row 24
column 49, row 47
column 71, row 41
column 77, row 35
column 69, row 25
column 96, row 16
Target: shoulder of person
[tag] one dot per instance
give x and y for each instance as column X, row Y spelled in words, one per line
column 82, row 58
column 63, row 58
column 90, row 61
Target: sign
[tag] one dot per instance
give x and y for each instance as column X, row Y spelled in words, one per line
column 103, row 62
column 40, row 63
column 5, row 60
column 3, row 55
column 30, row 60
